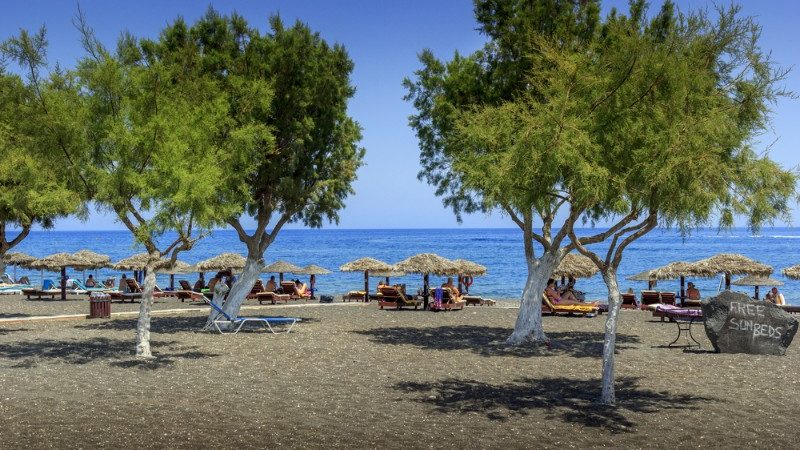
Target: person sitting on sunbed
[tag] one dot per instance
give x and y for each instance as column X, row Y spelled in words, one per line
column 692, row 293
column 90, row 282
column 271, row 285
column 199, row 285
column 570, row 288
column 301, row 287
column 24, row 280
column 123, row 285
column 449, row 284
column 775, row 296
column 565, row 299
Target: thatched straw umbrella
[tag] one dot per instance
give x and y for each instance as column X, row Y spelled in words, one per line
column 792, row 272
column 18, row 259
column 137, row 264
column 365, row 265
column 426, row 264
column 179, row 267
column 387, row 274
column 731, row 264
column 59, row 261
column 466, row 270
column 757, row 281
column 94, row 260
column 312, row 270
column 575, row 265
column 678, row 270
column 647, row 275
column 280, row 267
column 224, row 261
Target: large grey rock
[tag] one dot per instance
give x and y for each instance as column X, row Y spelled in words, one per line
column 735, row 323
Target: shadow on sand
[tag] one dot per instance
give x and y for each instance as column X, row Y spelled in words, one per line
column 119, row 351
column 170, row 325
column 490, row 341
column 572, row 401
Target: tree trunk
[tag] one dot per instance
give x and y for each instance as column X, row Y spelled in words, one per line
column 3, row 263
column 529, row 320
column 239, row 290
column 614, row 302
column 146, row 305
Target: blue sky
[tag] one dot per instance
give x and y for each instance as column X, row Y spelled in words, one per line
column 383, row 38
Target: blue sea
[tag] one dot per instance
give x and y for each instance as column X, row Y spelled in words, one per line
column 500, row 250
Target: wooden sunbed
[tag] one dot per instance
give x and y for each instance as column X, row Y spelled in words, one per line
column 450, row 301
column 628, row 301
column 39, row 293
column 288, row 287
column 649, row 298
column 554, row 308
column 394, row 297
column 357, row 296
column 668, row 298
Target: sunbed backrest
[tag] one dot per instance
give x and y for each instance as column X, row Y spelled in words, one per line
column 185, row 285
column 650, row 297
column 48, row 284
column 628, row 298
column 133, row 285
column 288, row 287
column 258, row 287
column 217, row 308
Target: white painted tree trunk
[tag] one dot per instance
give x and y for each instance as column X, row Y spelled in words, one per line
column 528, row 327
column 2, row 264
column 239, row 290
column 607, row 396
column 145, row 307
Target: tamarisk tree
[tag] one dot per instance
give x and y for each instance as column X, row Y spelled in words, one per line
column 143, row 147
column 292, row 149
column 685, row 98
column 31, row 191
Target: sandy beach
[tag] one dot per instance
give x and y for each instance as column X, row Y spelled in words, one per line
column 351, row 375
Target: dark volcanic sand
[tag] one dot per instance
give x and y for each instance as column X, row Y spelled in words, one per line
column 355, row 376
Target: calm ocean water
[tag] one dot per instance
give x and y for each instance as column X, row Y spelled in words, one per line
column 500, row 250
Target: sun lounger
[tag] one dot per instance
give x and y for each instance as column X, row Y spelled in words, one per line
column 668, row 298
column 39, row 293
column 357, row 296
column 236, row 323
column 649, row 298
column 474, row 300
column 628, row 301
column 554, row 308
column 190, row 295
column 394, row 297
column 288, row 287
column 449, row 301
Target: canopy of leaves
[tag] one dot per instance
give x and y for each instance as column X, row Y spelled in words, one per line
column 640, row 115
column 290, row 146
column 33, row 189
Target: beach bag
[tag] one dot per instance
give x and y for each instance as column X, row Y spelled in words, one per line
column 326, row 299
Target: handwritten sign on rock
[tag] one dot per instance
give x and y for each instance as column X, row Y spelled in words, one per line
column 735, row 323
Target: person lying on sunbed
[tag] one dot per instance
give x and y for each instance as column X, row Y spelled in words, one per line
column 562, row 299
column 775, row 296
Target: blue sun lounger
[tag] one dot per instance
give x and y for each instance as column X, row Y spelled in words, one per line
column 236, row 323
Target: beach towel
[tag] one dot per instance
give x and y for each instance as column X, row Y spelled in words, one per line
column 438, row 294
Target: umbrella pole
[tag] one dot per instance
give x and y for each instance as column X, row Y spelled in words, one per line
column 425, row 291
column 63, row 283
column 683, row 293
column 280, row 277
column 756, row 292
column 311, row 282
column 15, row 272
column 459, row 284
column 366, row 286
column 727, row 281
column 387, row 281
column 172, row 281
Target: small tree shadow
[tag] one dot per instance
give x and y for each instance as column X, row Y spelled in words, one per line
column 490, row 341
column 5, row 331
column 13, row 315
column 167, row 325
column 572, row 401
column 120, row 351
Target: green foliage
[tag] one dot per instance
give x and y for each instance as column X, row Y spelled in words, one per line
column 290, row 145
column 612, row 118
column 33, row 188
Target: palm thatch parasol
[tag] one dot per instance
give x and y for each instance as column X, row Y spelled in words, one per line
column 647, row 275
column 792, row 272
column 386, row 274
column 179, row 267
column 135, row 262
column 224, row 261
column 466, row 270
column 679, row 270
column 59, row 261
column 575, row 265
column 312, row 270
column 280, row 267
column 18, row 259
column 731, row 264
column 757, row 281
column 94, row 260
column 426, row 264
column 365, row 265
